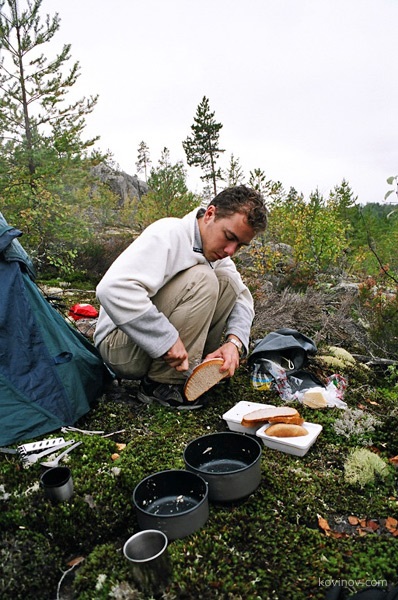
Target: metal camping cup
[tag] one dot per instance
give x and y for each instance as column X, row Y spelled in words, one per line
column 57, row 484
column 149, row 558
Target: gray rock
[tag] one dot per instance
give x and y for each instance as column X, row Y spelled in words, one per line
column 347, row 287
column 126, row 187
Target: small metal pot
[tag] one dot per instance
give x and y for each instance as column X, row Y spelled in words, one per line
column 174, row 501
column 230, row 463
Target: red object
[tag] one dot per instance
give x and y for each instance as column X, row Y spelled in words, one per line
column 83, row 311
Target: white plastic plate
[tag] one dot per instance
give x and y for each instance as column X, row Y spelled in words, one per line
column 234, row 416
column 297, row 446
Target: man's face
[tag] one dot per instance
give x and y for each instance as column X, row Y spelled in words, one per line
column 222, row 237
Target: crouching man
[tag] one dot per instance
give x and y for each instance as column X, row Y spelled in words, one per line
column 175, row 297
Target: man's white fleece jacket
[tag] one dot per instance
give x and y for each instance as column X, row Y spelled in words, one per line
column 163, row 249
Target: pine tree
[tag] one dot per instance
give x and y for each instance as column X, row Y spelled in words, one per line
column 257, row 180
column 143, row 160
column 42, row 154
column 344, row 199
column 234, row 174
column 33, row 112
column 168, row 194
column 271, row 190
column 202, row 148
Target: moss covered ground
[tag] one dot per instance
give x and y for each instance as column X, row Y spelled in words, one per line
column 303, row 527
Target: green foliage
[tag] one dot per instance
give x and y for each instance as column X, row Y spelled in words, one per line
column 35, row 120
column 57, row 233
column 379, row 309
column 269, row 189
column 23, row 555
column 202, row 148
column 315, row 231
column 97, row 253
column 168, row 194
column 241, row 550
column 373, row 240
column 234, row 174
column 43, row 158
column 98, row 572
column 393, row 180
column 342, row 198
column 392, row 375
column 319, row 234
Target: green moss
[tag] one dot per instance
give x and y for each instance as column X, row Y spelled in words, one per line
column 267, row 546
column 30, row 565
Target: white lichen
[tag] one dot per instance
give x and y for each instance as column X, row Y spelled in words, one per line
column 3, row 494
column 341, row 354
column 363, row 466
column 100, row 581
column 355, row 422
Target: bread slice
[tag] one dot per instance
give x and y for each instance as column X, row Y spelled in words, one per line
column 315, row 398
column 285, row 430
column 263, row 415
column 204, row 377
column 293, row 420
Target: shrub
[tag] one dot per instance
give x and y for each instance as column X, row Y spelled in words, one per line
column 379, row 308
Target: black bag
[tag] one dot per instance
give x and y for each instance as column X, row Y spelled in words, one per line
column 288, row 349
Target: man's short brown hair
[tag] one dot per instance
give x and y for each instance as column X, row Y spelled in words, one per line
column 243, row 200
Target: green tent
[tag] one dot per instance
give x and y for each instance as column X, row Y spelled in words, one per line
column 49, row 373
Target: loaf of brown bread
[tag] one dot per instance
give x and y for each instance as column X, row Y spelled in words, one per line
column 285, row 430
column 204, row 377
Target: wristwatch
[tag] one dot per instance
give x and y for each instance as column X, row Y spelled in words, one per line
column 236, row 343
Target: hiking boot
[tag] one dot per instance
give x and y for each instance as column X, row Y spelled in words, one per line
column 166, row 394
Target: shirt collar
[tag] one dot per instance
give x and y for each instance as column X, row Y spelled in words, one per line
column 197, row 239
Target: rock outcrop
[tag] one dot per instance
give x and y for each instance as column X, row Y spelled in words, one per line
column 126, row 187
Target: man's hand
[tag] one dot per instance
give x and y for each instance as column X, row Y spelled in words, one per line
column 230, row 355
column 177, row 356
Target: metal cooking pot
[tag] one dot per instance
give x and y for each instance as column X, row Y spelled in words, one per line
column 230, row 463
column 174, row 501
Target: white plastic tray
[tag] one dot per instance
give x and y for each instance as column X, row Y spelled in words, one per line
column 234, row 416
column 298, row 446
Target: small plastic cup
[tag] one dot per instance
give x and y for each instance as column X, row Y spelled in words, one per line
column 57, row 484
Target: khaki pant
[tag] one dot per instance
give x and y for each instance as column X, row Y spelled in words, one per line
column 197, row 302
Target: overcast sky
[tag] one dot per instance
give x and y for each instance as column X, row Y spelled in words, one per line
column 306, row 90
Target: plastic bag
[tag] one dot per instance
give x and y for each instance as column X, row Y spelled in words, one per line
column 333, row 392
column 267, row 374
column 83, row 311
column 261, row 379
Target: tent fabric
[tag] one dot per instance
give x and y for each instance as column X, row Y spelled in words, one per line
column 49, row 373
column 12, row 249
